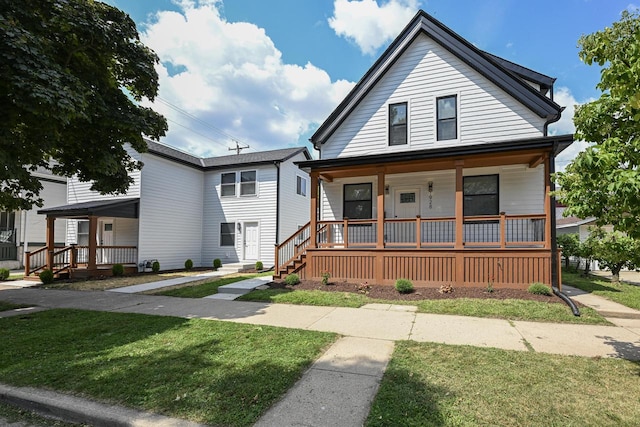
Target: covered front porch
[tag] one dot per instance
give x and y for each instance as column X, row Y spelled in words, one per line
column 91, row 236
column 464, row 216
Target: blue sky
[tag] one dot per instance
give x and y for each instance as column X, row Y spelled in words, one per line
column 267, row 72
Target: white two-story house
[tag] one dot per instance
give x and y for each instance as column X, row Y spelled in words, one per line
column 435, row 168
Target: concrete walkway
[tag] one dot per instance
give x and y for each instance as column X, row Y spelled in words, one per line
column 338, row 389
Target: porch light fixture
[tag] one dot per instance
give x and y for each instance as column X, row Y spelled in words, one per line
column 239, row 227
column 386, row 189
column 430, row 194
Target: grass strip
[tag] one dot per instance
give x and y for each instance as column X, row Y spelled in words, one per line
column 13, row 414
column 511, row 309
column 4, row 306
column 203, row 289
column 441, row 385
column 212, row 372
column 622, row 293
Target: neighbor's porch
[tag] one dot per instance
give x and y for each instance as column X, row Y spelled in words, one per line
column 508, row 248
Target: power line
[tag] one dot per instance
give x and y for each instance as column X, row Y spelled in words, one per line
column 196, row 132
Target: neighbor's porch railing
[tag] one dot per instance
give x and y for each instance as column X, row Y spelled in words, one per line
column 500, row 231
column 69, row 257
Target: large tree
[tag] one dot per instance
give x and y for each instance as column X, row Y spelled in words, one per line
column 604, row 180
column 72, row 73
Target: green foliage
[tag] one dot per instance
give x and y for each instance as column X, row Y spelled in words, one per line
column 614, row 251
column 118, row 270
column 188, row 264
column 217, row 263
column 570, row 245
column 259, row 265
column 539, row 289
column 4, row 273
column 46, row 277
column 404, row 286
column 604, row 180
column 65, row 68
column 292, row 279
column 155, row 267
column 325, row 277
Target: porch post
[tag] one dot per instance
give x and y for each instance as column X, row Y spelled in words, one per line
column 547, row 202
column 50, row 241
column 459, row 209
column 313, row 224
column 93, row 237
column 380, row 222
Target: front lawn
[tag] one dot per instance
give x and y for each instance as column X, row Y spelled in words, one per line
column 621, row 293
column 512, row 309
column 441, row 385
column 213, row 372
column 201, row 290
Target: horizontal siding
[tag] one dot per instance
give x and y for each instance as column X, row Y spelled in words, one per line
column 294, row 208
column 53, row 194
column 260, row 208
column 171, row 209
column 426, row 71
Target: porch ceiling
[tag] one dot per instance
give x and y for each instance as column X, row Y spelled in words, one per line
column 116, row 208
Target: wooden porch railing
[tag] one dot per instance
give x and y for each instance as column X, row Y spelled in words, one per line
column 293, row 247
column 69, row 257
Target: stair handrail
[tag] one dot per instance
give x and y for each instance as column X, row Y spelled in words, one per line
column 28, row 270
column 296, row 248
column 65, row 265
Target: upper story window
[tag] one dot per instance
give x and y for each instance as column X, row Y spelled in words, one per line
column 228, row 184
column 398, row 124
column 480, row 195
column 447, row 117
column 301, row 186
column 357, row 201
column 248, row 183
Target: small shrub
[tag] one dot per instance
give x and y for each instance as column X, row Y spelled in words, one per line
column 490, row 287
column 325, row 277
column 445, row 289
column 188, row 264
column 404, row 286
column 292, row 279
column 117, row 270
column 539, row 289
column 364, row 288
column 155, row 267
column 4, row 273
column 46, row 276
column 217, row 263
column 259, row 266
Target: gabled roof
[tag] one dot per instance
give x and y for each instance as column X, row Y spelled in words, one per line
column 222, row 162
column 544, row 81
column 497, row 70
column 119, row 208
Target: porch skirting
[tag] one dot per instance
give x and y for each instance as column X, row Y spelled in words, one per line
column 512, row 268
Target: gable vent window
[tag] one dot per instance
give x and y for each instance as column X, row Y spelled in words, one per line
column 228, row 184
column 248, row 183
column 447, row 116
column 398, row 124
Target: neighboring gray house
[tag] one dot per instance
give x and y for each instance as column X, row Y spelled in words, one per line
column 180, row 207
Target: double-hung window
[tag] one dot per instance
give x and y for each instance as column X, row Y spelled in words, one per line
column 301, row 186
column 228, row 184
column 398, row 124
column 357, row 201
column 227, row 234
column 481, row 195
column 447, row 117
column 248, row 183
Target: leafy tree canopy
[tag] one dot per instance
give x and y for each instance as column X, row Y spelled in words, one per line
column 614, row 251
column 71, row 75
column 604, row 180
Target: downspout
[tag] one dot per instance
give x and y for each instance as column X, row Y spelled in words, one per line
column 277, row 165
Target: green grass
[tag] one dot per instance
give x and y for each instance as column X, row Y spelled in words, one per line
column 206, row 289
column 4, row 306
column 621, row 293
column 511, row 309
column 213, row 372
column 441, row 385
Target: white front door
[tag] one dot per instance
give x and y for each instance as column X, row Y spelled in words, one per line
column 407, row 203
column 105, row 238
column 251, row 237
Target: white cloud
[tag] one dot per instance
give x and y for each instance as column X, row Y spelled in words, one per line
column 563, row 97
column 231, row 75
column 370, row 25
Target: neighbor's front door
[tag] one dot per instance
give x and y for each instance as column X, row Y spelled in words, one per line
column 105, row 238
column 251, row 234
column 407, row 203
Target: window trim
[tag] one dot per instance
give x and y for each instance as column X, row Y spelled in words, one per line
column 255, row 183
column 497, row 193
column 390, row 126
column 344, row 199
column 304, row 187
column 228, row 234
column 235, row 179
column 454, row 119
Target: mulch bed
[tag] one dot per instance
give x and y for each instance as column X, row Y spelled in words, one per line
column 390, row 293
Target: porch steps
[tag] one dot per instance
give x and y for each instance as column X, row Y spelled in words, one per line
column 234, row 290
column 291, row 268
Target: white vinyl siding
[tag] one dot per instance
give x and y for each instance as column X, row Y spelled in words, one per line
column 171, row 209
column 423, row 73
column 294, row 209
